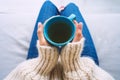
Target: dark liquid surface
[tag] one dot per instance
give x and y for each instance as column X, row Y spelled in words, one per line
column 59, row 32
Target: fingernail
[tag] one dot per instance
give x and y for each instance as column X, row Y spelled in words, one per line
column 39, row 23
column 81, row 23
column 74, row 21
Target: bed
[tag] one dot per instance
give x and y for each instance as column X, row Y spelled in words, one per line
column 18, row 17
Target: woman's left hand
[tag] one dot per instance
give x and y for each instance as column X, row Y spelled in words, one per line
column 78, row 34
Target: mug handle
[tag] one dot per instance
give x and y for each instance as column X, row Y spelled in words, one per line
column 72, row 17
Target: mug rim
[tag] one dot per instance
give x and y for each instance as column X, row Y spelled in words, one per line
column 52, row 42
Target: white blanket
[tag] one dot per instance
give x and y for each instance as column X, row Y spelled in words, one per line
column 18, row 17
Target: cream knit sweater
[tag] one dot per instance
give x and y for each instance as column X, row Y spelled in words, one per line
column 68, row 66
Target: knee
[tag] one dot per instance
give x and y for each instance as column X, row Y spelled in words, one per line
column 48, row 2
column 72, row 5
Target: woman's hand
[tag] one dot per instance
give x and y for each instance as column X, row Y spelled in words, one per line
column 78, row 34
column 41, row 38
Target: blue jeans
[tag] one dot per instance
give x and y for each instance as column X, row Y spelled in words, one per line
column 48, row 10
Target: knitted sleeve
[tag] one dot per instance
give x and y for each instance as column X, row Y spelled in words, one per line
column 56, row 73
column 38, row 68
column 80, row 68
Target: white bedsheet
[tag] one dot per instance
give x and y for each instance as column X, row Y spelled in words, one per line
column 18, row 17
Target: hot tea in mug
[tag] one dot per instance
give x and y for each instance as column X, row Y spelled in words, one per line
column 59, row 30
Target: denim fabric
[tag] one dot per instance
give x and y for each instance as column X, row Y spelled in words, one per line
column 48, row 10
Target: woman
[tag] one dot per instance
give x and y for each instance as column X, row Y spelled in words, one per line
column 77, row 60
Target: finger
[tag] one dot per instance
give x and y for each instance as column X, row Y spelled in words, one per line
column 78, row 34
column 76, row 23
column 41, row 38
column 40, row 31
column 80, row 25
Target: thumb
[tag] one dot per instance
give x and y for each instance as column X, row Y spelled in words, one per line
column 40, row 31
column 40, row 34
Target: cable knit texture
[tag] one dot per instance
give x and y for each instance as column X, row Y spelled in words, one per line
column 38, row 68
column 68, row 66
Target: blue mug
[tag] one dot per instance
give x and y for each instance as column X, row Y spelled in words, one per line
column 59, row 30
